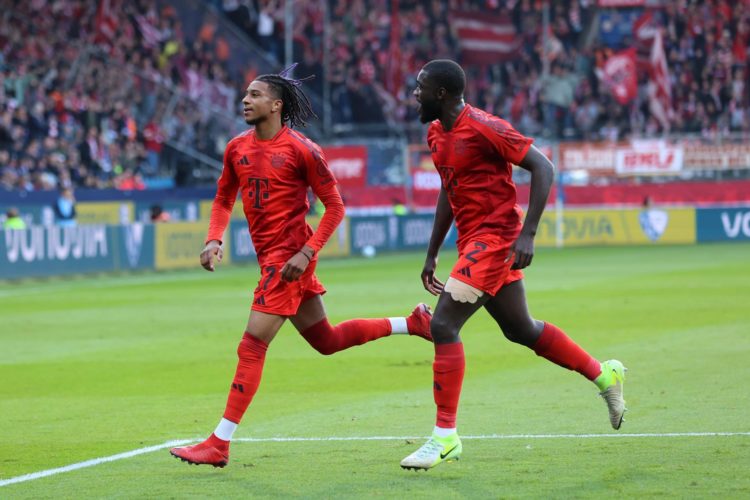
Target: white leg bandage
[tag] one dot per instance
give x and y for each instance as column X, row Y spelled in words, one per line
column 461, row 292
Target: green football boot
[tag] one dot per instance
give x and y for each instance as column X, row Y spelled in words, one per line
column 610, row 383
column 433, row 452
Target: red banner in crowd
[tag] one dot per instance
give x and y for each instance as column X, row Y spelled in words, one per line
column 619, row 74
column 425, row 181
column 484, row 38
column 622, row 3
column 105, row 23
column 348, row 164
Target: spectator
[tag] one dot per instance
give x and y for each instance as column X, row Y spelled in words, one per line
column 13, row 219
column 65, row 208
column 158, row 214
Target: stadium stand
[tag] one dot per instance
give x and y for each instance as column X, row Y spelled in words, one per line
column 115, row 93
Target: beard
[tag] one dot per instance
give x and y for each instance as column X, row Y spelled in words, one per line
column 429, row 112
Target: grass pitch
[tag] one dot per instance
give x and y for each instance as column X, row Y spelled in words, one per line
column 94, row 367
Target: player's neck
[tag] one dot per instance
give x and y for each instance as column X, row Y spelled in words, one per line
column 267, row 130
column 450, row 114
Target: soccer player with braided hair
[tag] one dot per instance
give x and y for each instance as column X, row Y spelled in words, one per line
column 272, row 167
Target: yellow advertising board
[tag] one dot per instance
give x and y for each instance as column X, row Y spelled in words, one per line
column 338, row 244
column 104, row 212
column 179, row 244
column 205, row 210
column 619, row 227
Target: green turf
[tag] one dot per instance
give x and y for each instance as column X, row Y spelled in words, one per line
column 93, row 367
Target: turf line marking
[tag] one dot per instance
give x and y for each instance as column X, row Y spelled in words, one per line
column 92, row 462
column 178, row 442
column 493, row 436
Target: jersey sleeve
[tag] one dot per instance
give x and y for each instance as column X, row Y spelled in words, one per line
column 331, row 219
column 507, row 141
column 315, row 168
column 226, row 194
column 323, row 184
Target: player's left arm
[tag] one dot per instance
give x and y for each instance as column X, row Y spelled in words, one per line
column 542, row 175
column 323, row 185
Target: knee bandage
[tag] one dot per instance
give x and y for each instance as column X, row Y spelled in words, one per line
column 461, row 292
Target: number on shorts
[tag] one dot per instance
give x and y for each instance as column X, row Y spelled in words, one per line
column 479, row 247
column 270, row 273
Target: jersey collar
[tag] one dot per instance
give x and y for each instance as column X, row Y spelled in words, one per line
column 459, row 118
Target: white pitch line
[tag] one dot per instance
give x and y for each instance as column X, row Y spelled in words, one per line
column 493, row 436
column 169, row 444
column 92, row 462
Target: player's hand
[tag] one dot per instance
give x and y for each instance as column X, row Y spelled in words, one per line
column 429, row 281
column 294, row 267
column 521, row 251
column 210, row 251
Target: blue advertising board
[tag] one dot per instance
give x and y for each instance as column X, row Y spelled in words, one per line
column 380, row 232
column 135, row 246
column 241, row 246
column 405, row 232
column 723, row 224
column 53, row 250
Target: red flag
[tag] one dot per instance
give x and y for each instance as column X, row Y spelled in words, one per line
column 619, row 74
column 105, row 23
column 659, row 91
column 644, row 28
column 485, row 38
column 393, row 68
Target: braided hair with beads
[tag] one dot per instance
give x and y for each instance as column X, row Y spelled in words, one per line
column 297, row 108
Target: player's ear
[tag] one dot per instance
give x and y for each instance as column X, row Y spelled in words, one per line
column 441, row 93
column 277, row 105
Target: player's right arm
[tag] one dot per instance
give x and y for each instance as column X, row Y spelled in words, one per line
column 221, row 211
column 443, row 220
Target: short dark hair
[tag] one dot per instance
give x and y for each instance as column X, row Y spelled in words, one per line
column 447, row 74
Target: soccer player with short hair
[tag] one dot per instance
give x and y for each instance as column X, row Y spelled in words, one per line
column 473, row 152
column 272, row 166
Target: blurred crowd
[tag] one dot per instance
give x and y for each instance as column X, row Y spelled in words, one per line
column 549, row 88
column 85, row 88
column 103, row 94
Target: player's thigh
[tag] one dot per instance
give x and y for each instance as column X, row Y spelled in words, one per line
column 310, row 312
column 450, row 315
column 264, row 326
column 511, row 312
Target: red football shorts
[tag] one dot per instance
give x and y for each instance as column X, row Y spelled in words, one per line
column 481, row 264
column 276, row 296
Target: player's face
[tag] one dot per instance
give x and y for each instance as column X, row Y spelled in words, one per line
column 259, row 103
column 426, row 96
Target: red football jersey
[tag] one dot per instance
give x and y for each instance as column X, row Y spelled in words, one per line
column 475, row 161
column 273, row 177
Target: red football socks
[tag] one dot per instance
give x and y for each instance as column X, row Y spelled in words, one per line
column 327, row 339
column 252, row 354
column 217, row 443
column 557, row 347
column 448, row 377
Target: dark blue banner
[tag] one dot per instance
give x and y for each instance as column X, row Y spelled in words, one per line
column 380, row 233
column 241, row 247
column 54, row 250
column 135, row 246
column 723, row 224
